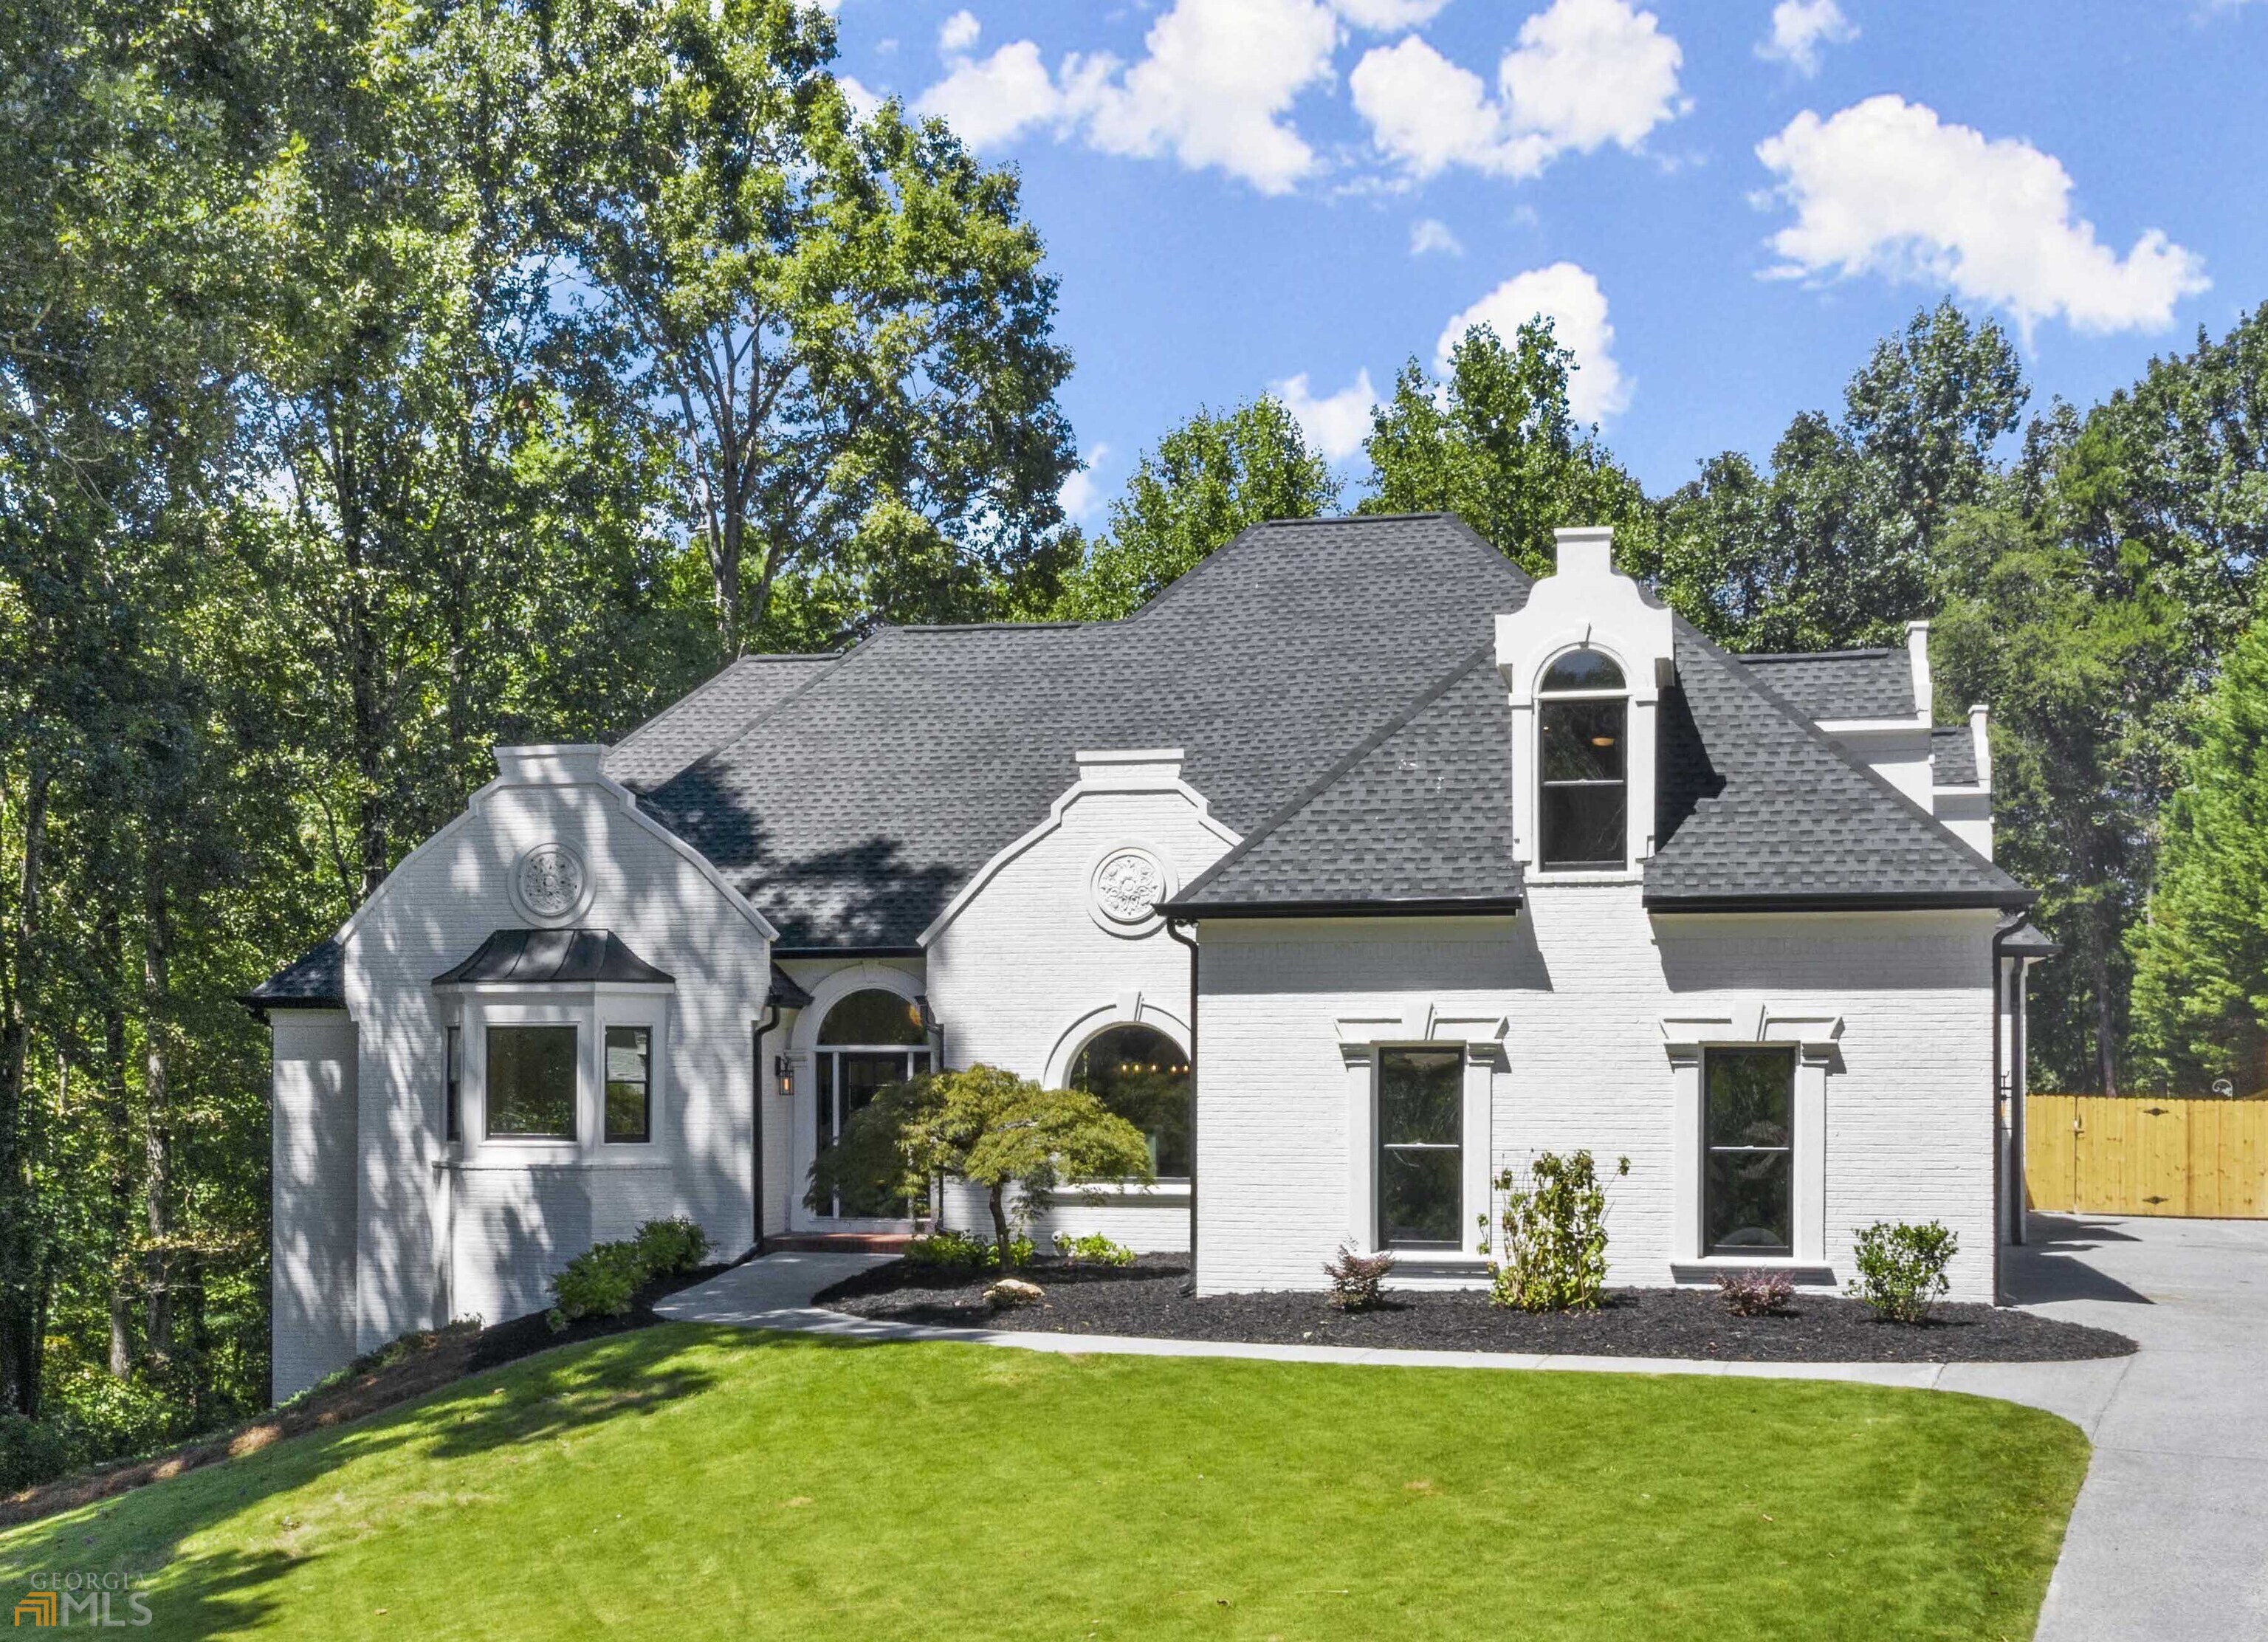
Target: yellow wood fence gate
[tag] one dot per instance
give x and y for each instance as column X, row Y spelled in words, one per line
column 2145, row 1155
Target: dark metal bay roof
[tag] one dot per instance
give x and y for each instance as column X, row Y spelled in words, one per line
column 553, row 958
column 786, row 994
column 852, row 815
column 311, row 981
column 1840, row 683
column 1418, row 819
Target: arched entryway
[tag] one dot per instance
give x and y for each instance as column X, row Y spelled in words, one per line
column 867, row 1040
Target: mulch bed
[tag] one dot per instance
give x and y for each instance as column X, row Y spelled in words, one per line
column 1146, row 1298
column 410, row 1367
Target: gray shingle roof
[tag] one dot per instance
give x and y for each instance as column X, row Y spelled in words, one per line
column 1953, row 752
column 526, row 957
column 1755, row 804
column 1840, row 683
column 1418, row 816
column 852, row 818
column 314, row 980
column 741, row 692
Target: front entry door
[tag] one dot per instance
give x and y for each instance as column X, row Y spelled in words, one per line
column 847, row 1081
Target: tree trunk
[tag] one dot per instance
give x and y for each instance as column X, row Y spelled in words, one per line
column 157, row 1135
column 114, row 1124
column 22, row 1281
column 998, row 1197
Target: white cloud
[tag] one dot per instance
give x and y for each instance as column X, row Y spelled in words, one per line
column 863, row 97
column 1080, row 496
column 992, row 100
column 1583, row 73
column 1800, row 28
column 958, row 35
column 1431, row 234
column 1213, row 90
column 1335, row 424
column 1569, row 296
column 1886, row 188
column 1383, row 17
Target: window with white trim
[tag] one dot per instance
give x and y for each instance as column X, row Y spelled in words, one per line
column 531, row 1082
column 1582, row 765
column 629, row 1084
column 1748, row 1133
column 1421, row 1148
column 1143, row 1076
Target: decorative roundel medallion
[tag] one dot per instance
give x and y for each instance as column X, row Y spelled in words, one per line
column 1125, row 887
column 551, row 883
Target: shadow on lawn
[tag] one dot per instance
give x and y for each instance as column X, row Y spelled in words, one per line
column 537, row 1400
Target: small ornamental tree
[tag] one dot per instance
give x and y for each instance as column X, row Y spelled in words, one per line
column 985, row 1126
column 1554, row 1235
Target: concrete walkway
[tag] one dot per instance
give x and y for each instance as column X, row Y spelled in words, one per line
column 2170, row 1535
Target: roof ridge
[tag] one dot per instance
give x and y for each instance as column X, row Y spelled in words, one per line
column 839, row 658
column 1794, row 715
column 1331, row 777
column 717, row 678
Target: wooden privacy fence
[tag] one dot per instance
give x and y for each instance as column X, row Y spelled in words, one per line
column 2146, row 1154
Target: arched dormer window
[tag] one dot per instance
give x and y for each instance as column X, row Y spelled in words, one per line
column 1583, row 782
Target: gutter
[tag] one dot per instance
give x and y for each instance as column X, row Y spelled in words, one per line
column 1174, row 927
column 2008, row 1213
column 1189, row 911
column 756, row 1127
column 1903, row 901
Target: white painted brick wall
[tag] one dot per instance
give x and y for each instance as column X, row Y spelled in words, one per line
column 517, row 1221
column 1585, row 977
column 311, row 1208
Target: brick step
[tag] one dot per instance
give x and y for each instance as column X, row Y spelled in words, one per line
column 839, row 1243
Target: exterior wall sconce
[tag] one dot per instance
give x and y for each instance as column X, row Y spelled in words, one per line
column 783, row 1074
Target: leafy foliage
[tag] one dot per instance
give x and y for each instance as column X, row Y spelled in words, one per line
column 1093, row 1249
column 1901, row 1267
column 2201, row 959
column 1009, row 1135
column 604, row 1279
column 1207, row 479
column 1498, row 446
column 1755, row 1293
column 1552, row 1249
column 1357, row 1280
column 964, row 1251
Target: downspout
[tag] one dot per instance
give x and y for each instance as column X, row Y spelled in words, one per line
column 2000, row 1141
column 2019, row 1086
column 1174, row 927
column 756, row 1128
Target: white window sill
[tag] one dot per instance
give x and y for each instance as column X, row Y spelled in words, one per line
column 1540, row 875
column 1708, row 1267
column 1106, row 1190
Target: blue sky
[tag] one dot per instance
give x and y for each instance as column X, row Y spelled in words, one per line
column 1723, row 202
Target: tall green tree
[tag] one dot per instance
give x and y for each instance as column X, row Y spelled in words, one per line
column 2200, row 990
column 1841, row 541
column 1205, row 481
column 1497, row 445
column 843, row 326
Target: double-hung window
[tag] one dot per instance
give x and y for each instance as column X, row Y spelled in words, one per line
column 1421, row 1152
column 1583, row 786
column 630, row 1083
column 1747, row 1176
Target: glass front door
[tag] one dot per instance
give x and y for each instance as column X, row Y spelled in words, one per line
column 846, row 1082
column 1421, row 1148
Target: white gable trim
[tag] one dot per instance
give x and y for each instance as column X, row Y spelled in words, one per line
column 624, row 799
column 1142, row 772
column 1128, row 1010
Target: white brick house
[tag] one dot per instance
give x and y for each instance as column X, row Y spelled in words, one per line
column 1422, row 868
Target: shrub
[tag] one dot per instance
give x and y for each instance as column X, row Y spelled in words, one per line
column 35, row 1451
column 1755, row 1293
column 1357, row 1277
column 1901, row 1267
column 961, row 1251
column 1554, row 1236
column 1093, row 1249
column 604, row 1279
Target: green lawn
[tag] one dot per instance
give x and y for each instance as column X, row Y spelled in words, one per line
column 693, row 1482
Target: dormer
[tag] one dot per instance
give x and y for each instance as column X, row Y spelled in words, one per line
column 1584, row 664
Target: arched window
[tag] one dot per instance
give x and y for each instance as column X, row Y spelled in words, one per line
column 869, row 1040
column 1583, row 788
column 1141, row 1075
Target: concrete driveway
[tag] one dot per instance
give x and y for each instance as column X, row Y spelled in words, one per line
column 2169, row 1541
